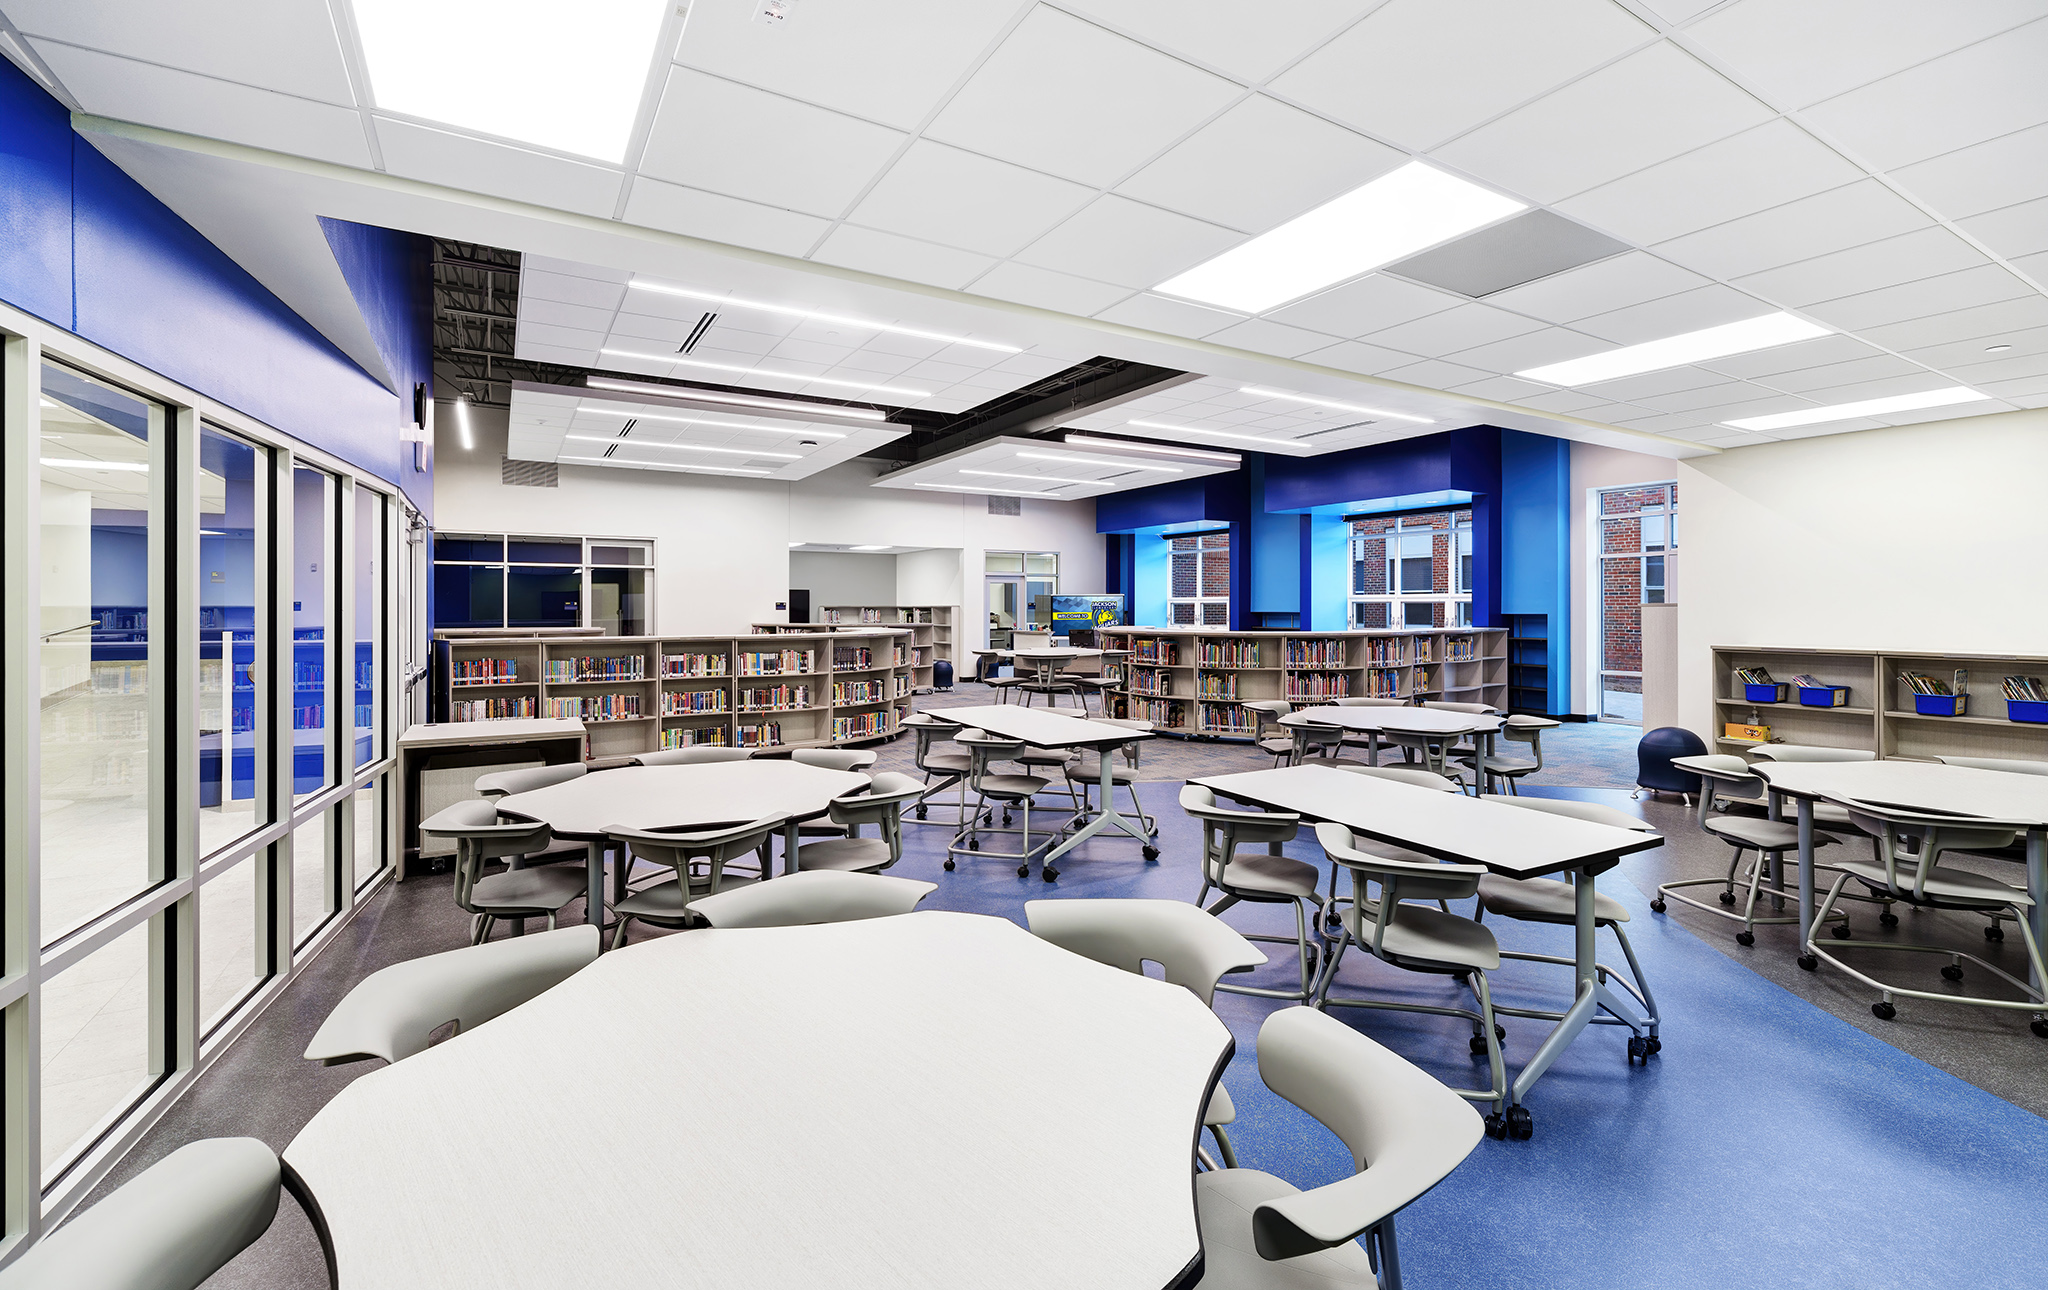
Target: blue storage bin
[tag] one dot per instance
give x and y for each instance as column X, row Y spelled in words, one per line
column 2025, row 710
column 1777, row 693
column 1824, row 696
column 1940, row 705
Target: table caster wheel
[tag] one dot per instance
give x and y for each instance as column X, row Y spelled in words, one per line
column 1051, row 873
column 1994, row 933
column 1658, row 904
column 1745, row 938
column 1809, row 962
column 949, row 864
column 1953, row 972
column 1479, row 1045
column 1496, row 1127
column 1151, row 853
column 2039, row 1027
column 1840, row 931
column 1520, row 1127
column 1638, row 1050
column 1888, row 919
column 1727, row 897
column 1883, row 1011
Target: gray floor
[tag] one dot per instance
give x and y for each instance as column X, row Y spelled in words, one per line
column 263, row 1088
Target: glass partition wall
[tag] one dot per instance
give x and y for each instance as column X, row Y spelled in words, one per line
column 200, row 684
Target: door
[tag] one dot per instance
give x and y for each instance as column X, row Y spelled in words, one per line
column 1005, row 610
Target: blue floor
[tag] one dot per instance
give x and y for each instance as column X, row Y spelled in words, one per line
column 1769, row 1143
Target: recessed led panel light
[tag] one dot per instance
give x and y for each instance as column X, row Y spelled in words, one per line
column 1095, row 461
column 975, row 488
column 1676, row 351
column 1271, row 445
column 679, row 361
column 1164, row 450
column 791, row 311
column 1864, row 408
column 737, row 400
column 684, row 447
column 68, row 463
column 806, row 431
column 664, row 465
column 567, row 79
column 1264, row 393
column 1394, row 216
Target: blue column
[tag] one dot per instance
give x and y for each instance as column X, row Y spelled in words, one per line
column 1536, row 473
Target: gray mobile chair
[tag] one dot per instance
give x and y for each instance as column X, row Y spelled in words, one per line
column 1192, row 949
column 855, row 759
column 526, row 779
column 820, row 896
column 1422, row 938
column 713, row 847
column 170, row 1227
column 1415, row 775
column 517, row 894
column 1312, row 740
column 1269, row 734
column 880, row 804
column 1547, row 900
column 1048, row 677
column 1518, row 729
column 1725, row 776
column 1369, row 740
column 392, row 1012
column 950, row 768
column 1824, row 813
column 1007, row 790
column 698, row 756
column 1908, row 868
column 1406, row 1132
column 1270, row 879
column 1085, row 776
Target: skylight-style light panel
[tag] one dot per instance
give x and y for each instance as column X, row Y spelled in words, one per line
column 1765, row 332
column 1394, row 216
column 563, row 77
column 1864, row 408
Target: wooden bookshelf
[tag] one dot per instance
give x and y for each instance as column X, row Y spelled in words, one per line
column 1879, row 716
column 639, row 694
column 930, row 627
column 1195, row 681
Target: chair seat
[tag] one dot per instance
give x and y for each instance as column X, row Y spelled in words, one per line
column 1010, row 786
column 664, row 900
column 1225, row 1200
column 1043, row 757
column 1949, row 886
column 948, row 764
column 856, row 855
column 1761, row 834
column 1090, row 771
column 1543, row 900
column 1424, row 934
column 1221, row 1109
column 1511, row 766
column 545, row 890
column 1268, row 875
column 1277, row 746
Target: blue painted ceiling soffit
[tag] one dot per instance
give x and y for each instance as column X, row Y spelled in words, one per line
column 1379, row 505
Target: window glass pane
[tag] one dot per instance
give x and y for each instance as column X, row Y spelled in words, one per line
column 1184, row 571
column 1653, row 580
column 1215, row 615
column 95, row 1042
column 628, row 555
column 369, row 829
column 1216, row 542
column 618, row 601
column 543, row 598
column 1183, row 611
column 476, row 550
column 1621, row 536
column 312, row 887
column 468, row 596
column 1621, row 615
column 543, row 551
column 369, row 644
column 1418, row 613
column 1653, row 532
column 1216, row 573
column 1371, row 613
column 1003, row 562
column 234, row 561
column 1042, row 563
column 1417, row 574
column 230, row 932
column 313, row 512
column 94, row 652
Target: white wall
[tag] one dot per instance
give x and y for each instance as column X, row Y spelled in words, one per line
column 1597, row 467
column 723, row 542
column 842, row 578
column 931, row 578
column 1913, row 538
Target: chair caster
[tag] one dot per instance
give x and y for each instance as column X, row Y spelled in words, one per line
column 1006, row 818
column 1952, row 972
column 2039, row 1027
column 1888, row 919
column 1656, row 1046
column 1883, row 1011
column 1496, row 1126
column 1727, row 897
column 1638, row 1050
column 1049, row 873
column 1479, row 1045
column 974, row 844
column 949, row 864
column 1024, row 870
column 1658, row 904
column 1520, row 1126
column 1840, row 931
column 1745, row 938
column 921, row 812
column 1809, row 962
column 1994, row 933
column 1151, row 853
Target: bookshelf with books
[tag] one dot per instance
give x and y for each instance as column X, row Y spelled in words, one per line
column 927, row 632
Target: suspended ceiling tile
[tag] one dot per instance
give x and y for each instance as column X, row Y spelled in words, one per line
column 1357, row 356
column 956, row 198
column 285, row 45
column 1070, row 98
column 1240, row 40
column 2014, row 232
column 1263, row 336
column 1259, row 164
column 1852, row 215
column 1114, row 239
column 1976, row 93
column 1165, row 314
column 1436, row 374
column 1986, row 176
column 1708, row 306
column 718, row 218
column 1599, row 288
column 1502, row 389
column 459, row 161
column 1909, row 257
column 787, row 153
column 1706, row 396
column 1461, row 328
column 1986, row 285
column 1646, row 108
column 1417, row 72
column 1046, row 289
column 2020, row 341
column 1777, row 162
column 2001, row 367
column 544, row 284
column 563, row 315
column 1962, row 324
column 1870, row 368
column 873, row 251
column 1568, row 402
column 1649, row 385
column 1679, row 11
column 1368, row 304
column 1531, row 349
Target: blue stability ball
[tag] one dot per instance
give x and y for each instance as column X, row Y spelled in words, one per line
column 1654, row 752
column 942, row 674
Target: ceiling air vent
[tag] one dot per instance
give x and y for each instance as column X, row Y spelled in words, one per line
column 1005, row 505
column 529, row 474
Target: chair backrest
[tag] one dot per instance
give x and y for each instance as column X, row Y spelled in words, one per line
column 1400, row 879
column 1479, row 708
column 1807, row 752
column 816, row 896
column 2008, row 764
column 1909, row 843
column 1267, row 711
column 1193, row 948
column 1401, row 775
column 984, row 747
column 714, row 843
column 692, row 756
column 1591, row 812
column 880, row 803
column 1530, row 735
column 1022, row 639
column 169, row 1228
column 1405, row 1130
column 1309, row 735
column 391, row 1012
column 504, row 783
column 835, row 758
column 480, row 836
column 1368, row 703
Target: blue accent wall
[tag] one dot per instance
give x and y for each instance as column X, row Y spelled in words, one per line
column 1536, row 474
column 87, row 249
column 391, row 276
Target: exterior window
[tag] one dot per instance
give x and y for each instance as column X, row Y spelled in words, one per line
column 1412, row 571
column 1638, row 536
column 1199, row 591
column 497, row 580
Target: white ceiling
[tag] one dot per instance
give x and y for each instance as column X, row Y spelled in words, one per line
column 1880, row 166
column 1049, row 470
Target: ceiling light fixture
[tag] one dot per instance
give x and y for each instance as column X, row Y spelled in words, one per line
column 576, row 89
column 1996, row 349
column 737, row 400
column 1043, row 479
column 685, row 447
column 70, row 463
column 664, row 465
column 1863, row 408
column 975, row 488
column 1271, row 445
column 679, row 361
column 1762, row 332
column 706, row 421
column 1264, row 393
column 867, row 548
column 1394, row 216
column 462, row 424
column 734, row 302
column 1096, row 461
column 1159, row 449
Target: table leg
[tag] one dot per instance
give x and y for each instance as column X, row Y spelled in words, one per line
column 789, row 846
column 1587, row 1000
column 1487, row 782
column 1105, row 815
column 1805, row 875
column 2037, row 887
column 593, row 909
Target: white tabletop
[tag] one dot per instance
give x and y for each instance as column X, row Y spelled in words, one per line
column 1916, row 786
column 505, row 731
column 658, row 797
column 846, row 1105
column 1404, row 719
column 1451, row 826
column 1037, row 727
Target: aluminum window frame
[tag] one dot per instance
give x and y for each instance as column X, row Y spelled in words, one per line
column 1598, row 558
column 1456, row 602
column 583, row 569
